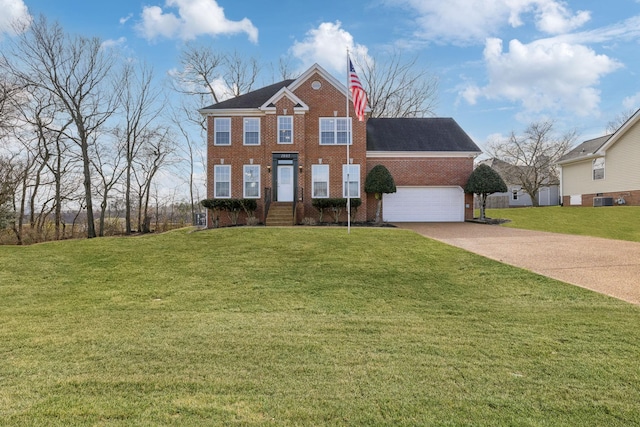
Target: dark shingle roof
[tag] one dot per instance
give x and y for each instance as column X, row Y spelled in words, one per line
column 418, row 134
column 586, row 148
column 253, row 99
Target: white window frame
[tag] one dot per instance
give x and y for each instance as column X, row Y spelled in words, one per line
column 217, row 172
column 284, row 127
column 354, row 171
column 251, row 125
column 335, row 126
column 597, row 165
column 319, row 174
column 223, row 123
column 246, row 174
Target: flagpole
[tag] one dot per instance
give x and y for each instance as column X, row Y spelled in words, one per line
column 349, row 139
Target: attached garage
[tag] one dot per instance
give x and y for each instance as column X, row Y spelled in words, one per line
column 424, row 204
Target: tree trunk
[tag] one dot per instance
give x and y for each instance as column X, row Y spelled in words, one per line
column 483, row 206
column 91, row 227
column 378, row 208
column 127, row 196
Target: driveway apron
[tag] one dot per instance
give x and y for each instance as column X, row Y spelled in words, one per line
column 611, row 267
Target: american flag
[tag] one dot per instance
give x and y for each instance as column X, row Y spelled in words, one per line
column 357, row 92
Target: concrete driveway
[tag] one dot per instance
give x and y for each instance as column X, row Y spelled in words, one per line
column 611, row 267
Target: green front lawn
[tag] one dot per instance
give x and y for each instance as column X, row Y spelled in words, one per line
column 304, row 326
column 611, row 222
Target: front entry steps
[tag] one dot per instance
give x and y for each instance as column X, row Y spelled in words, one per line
column 280, row 215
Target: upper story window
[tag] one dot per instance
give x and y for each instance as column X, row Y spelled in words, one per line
column 285, row 129
column 252, row 131
column 222, row 181
column 351, row 180
column 320, row 181
column 251, row 181
column 335, row 131
column 598, row 168
column 222, row 127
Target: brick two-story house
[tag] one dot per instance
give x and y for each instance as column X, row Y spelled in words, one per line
column 285, row 144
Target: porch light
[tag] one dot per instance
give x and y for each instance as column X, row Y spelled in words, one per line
column 268, row 168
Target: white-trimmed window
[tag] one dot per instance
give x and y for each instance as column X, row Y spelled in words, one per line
column 252, row 131
column 222, row 135
column 335, row 131
column 285, row 129
column 222, row 181
column 251, row 181
column 320, row 181
column 351, row 180
column 598, row 168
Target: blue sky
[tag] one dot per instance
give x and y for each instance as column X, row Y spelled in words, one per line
column 501, row 64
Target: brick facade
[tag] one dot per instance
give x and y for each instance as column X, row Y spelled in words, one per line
column 326, row 102
column 631, row 198
column 307, row 100
column 426, row 171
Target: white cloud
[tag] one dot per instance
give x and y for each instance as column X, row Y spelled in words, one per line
column 327, row 45
column 547, row 75
column 631, row 102
column 194, row 18
column 470, row 22
column 125, row 19
column 13, row 12
column 554, row 18
column 111, row 43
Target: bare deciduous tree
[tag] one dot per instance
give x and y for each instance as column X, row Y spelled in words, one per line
column 201, row 73
column 107, row 164
column 398, row 88
column 532, row 155
column 620, row 119
column 191, row 154
column 214, row 76
column 140, row 107
column 241, row 73
column 154, row 154
column 76, row 70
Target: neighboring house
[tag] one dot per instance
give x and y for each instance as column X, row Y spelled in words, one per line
column 516, row 196
column 605, row 170
column 285, row 144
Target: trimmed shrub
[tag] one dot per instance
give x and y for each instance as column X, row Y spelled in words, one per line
column 334, row 207
column 232, row 207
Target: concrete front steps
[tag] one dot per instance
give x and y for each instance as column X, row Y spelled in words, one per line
column 280, row 215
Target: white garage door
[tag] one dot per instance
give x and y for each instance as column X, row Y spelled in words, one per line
column 424, row 204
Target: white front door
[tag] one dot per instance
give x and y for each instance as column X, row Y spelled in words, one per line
column 285, row 183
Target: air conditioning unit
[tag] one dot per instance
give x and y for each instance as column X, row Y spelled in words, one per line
column 602, row 201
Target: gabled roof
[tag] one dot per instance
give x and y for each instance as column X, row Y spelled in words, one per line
column 284, row 92
column 598, row 146
column 253, row 99
column 418, row 134
column 585, row 150
column 262, row 99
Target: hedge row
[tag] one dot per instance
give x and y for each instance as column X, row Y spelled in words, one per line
column 248, row 205
column 335, row 206
column 233, row 207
